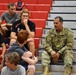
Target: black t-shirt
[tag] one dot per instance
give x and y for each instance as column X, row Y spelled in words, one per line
column 17, row 26
column 1, row 39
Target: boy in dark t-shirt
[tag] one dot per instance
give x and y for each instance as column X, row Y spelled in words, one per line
column 17, row 26
column 24, row 24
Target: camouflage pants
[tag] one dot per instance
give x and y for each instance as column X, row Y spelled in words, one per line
column 67, row 57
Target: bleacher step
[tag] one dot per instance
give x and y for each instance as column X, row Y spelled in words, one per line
column 60, row 9
column 55, row 68
column 65, row 16
column 54, row 73
column 70, row 24
column 63, row 2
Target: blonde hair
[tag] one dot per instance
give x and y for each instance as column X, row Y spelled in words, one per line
column 25, row 11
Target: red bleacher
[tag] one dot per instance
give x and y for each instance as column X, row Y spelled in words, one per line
column 30, row 7
column 1, row 11
column 30, row 1
column 39, row 22
column 4, row 1
column 36, row 41
column 38, row 33
column 45, row 2
column 38, row 9
column 39, row 14
column 3, row 6
column 13, row 1
column 35, row 14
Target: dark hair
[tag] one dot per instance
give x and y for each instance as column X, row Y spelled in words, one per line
column 13, row 57
column 22, row 36
column 11, row 4
column 60, row 18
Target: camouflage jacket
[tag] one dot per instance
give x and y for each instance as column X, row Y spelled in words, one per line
column 59, row 42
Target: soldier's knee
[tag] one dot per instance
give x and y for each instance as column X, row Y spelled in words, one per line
column 44, row 53
column 67, row 65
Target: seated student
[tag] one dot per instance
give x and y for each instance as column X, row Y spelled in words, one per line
column 12, row 67
column 19, row 5
column 28, row 60
column 2, row 44
column 24, row 24
column 9, row 17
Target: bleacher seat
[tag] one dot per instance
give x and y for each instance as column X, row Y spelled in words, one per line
column 30, row 7
column 39, row 22
column 1, row 11
column 13, row 1
column 4, row 1
column 36, row 41
column 42, row 7
column 39, row 14
column 30, row 1
column 3, row 6
column 39, row 32
column 45, row 2
column 38, row 7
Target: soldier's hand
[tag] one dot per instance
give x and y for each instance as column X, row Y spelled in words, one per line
column 55, row 59
column 53, row 53
column 57, row 55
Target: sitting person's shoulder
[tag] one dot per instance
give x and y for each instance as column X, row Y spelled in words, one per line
column 4, row 68
column 68, row 29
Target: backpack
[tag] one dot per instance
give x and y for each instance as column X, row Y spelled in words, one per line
column 19, row 5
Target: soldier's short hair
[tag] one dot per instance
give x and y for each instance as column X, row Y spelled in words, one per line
column 60, row 18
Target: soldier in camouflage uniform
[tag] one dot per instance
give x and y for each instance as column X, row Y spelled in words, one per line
column 58, row 43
